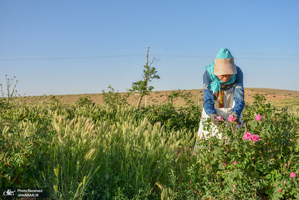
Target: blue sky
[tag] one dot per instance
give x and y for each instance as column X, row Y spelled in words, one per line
column 77, row 47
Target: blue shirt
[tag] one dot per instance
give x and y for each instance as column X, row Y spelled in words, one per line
column 208, row 97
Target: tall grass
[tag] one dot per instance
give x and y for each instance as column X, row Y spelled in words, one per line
column 85, row 151
column 115, row 151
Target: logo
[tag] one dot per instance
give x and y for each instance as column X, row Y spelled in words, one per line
column 8, row 192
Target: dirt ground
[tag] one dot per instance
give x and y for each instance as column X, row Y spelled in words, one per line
column 278, row 97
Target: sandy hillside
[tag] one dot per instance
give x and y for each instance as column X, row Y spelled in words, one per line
column 278, row 97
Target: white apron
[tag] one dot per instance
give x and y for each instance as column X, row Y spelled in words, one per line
column 228, row 101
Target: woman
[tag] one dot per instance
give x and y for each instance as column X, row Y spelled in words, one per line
column 223, row 93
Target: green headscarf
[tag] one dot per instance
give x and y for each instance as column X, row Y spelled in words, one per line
column 216, row 82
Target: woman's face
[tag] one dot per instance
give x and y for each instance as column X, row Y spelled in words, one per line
column 225, row 78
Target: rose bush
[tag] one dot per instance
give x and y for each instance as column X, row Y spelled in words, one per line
column 255, row 155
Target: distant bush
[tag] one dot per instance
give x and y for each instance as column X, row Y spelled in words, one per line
column 114, row 99
column 82, row 101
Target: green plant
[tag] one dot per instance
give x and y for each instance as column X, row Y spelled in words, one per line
column 114, row 99
column 82, row 101
column 236, row 168
column 10, row 93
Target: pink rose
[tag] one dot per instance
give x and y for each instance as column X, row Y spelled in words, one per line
column 235, row 162
column 247, row 136
column 292, row 174
column 220, row 118
column 234, row 185
column 234, row 190
column 165, row 98
column 279, row 190
column 255, row 138
column 258, row 117
column 231, row 118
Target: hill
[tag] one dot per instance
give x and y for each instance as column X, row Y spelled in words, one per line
column 277, row 97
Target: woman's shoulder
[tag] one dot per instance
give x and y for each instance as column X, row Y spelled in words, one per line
column 206, row 73
column 239, row 75
column 206, row 76
column 238, row 69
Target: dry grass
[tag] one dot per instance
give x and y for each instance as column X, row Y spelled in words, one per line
column 277, row 97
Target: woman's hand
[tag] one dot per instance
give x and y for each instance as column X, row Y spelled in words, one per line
column 236, row 118
column 214, row 119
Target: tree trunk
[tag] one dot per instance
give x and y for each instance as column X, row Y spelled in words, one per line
column 146, row 78
column 138, row 105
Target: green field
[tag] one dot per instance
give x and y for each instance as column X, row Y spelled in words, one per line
column 113, row 150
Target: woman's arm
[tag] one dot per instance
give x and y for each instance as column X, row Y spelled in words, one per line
column 208, row 97
column 239, row 93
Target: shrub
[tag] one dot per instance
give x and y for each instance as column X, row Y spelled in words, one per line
column 82, row 101
column 114, row 99
column 250, row 168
